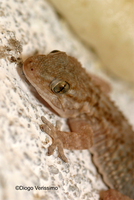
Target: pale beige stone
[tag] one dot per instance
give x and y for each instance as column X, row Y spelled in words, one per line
column 107, row 26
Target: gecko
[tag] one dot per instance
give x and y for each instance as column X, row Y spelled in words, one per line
column 94, row 120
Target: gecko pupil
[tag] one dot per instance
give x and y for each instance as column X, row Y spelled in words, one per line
column 62, row 87
column 59, row 86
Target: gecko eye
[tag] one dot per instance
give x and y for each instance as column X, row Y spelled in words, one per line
column 54, row 51
column 59, row 86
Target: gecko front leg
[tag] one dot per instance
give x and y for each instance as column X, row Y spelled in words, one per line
column 53, row 131
column 68, row 140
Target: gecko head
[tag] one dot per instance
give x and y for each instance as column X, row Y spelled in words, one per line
column 58, row 79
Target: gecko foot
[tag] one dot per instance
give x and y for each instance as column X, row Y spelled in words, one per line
column 61, row 155
column 52, row 131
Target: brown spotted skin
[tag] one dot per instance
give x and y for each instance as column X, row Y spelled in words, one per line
column 112, row 195
column 95, row 122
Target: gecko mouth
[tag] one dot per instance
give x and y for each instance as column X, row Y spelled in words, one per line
column 54, row 102
column 57, row 105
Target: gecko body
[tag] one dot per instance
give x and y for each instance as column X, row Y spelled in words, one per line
column 94, row 120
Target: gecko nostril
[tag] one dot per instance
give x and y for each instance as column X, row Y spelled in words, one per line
column 31, row 69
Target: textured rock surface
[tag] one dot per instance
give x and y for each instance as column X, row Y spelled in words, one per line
column 107, row 26
column 23, row 147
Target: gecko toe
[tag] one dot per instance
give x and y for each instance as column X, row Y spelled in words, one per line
column 63, row 157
